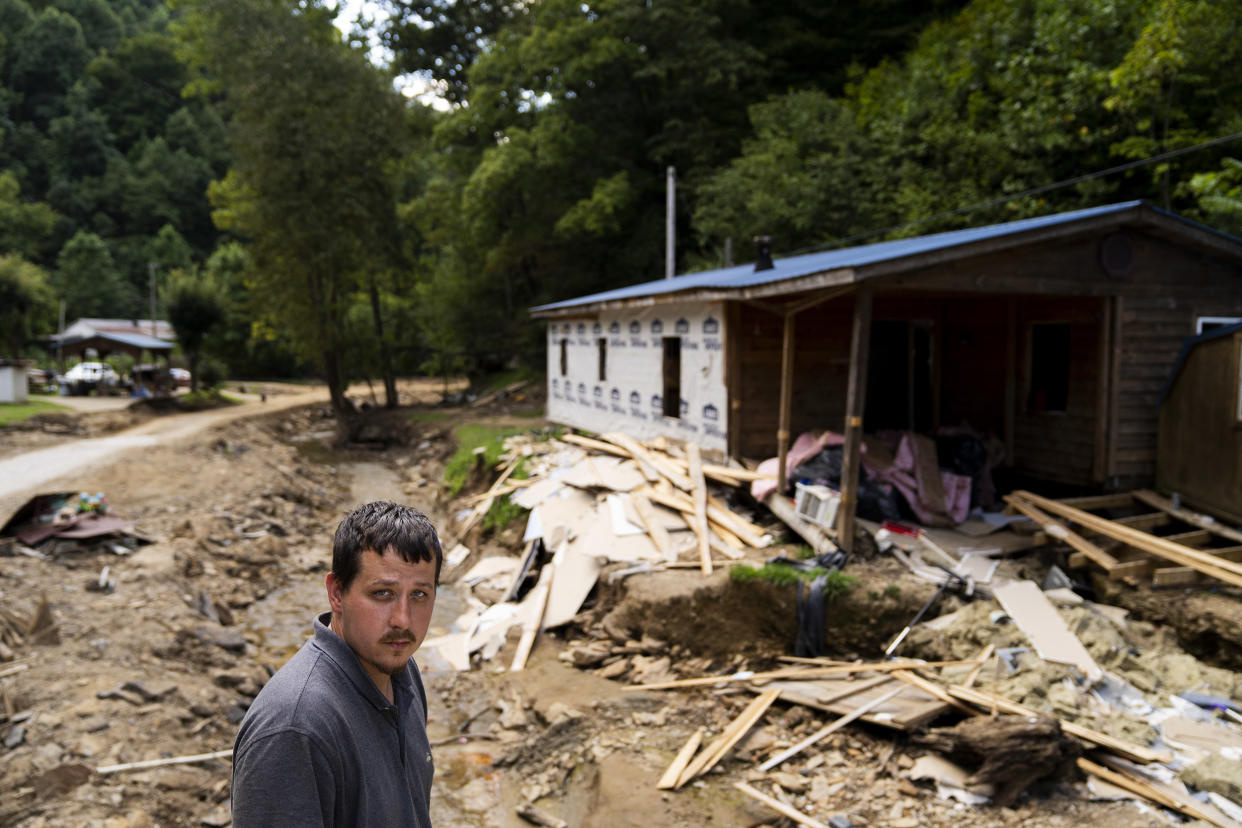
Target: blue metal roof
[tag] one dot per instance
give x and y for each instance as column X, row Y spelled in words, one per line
column 148, row 343
column 744, row 276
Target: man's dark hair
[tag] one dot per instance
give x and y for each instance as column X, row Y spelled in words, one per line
column 378, row 527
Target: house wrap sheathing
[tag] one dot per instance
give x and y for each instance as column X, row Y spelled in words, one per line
column 629, row 396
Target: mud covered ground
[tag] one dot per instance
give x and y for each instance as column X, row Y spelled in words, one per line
column 165, row 663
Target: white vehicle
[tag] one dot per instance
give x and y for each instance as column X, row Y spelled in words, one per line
column 95, row 373
column 180, row 376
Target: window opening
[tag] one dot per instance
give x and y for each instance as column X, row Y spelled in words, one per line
column 564, row 357
column 1050, row 363
column 603, row 359
column 672, row 377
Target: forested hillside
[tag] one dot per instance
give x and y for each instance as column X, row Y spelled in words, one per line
column 247, row 145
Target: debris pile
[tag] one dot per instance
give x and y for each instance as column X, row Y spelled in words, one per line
column 591, row 503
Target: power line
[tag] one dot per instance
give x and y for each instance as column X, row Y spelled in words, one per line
column 993, row 202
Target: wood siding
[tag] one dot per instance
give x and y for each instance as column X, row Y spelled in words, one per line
column 1200, row 438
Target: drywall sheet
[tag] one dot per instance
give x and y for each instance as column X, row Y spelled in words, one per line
column 624, row 390
column 1035, row 615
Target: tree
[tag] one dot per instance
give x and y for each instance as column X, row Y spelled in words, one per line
column 24, row 226
column 26, row 303
column 88, row 282
column 309, row 189
column 195, row 307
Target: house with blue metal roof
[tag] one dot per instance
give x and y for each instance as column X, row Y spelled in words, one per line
column 1050, row 336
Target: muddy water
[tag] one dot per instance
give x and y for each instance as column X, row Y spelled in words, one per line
column 282, row 622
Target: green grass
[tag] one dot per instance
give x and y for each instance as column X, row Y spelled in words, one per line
column 212, row 398
column 470, row 437
column 503, row 512
column 495, row 382
column 14, row 412
column 839, row 583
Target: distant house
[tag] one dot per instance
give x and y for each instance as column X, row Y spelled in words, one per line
column 108, row 336
column 1055, row 334
column 1199, row 454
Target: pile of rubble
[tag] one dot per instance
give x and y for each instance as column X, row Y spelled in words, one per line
column 1053, row 688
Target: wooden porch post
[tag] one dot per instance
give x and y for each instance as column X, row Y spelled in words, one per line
column 782, row 429
column 855, row 403
column 1011, row 376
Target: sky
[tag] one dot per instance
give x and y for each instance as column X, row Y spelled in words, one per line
column 413, row 85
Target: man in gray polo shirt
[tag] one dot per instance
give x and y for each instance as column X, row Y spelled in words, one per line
column 338, row 737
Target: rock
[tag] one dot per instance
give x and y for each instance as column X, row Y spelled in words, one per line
column 512, row 714
column 559, row 712
column 1216, row 774
column 908, row 788
column 147, row 693
column 588, row 656
column 658, row 719
column 219, row 818
column 60, row 780
column 792, row 782
column 649, row 670
column 228, row 640
column 16, row 735
column 615, row 669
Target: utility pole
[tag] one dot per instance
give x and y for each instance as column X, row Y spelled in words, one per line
column 670, row 234
column 151, row 282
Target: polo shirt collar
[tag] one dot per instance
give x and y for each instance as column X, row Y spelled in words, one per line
column 343, row 656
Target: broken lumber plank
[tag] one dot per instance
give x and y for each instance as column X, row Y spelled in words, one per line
column 649, row 463
column 750, row 532
column 718, row 472
column 980, row 660
column 932, row 689
column 1063, row 534
column 659, row 535
column 828, row 730
column 1195, row 537
column 597, row 445
column 778, row 806
column 1129, row 782
column 673, row 773
column 738, row 527
column 1117, row 500
column 700, row 506
column 1227, row 571
column 1177, row 576
column 791, row 673
column 530, row 628
column 507, row 489
column 171, row 760
column 1129, row 750
column 738, row 728
column 1146, row 522
column 783, row 508
column 1202, row 521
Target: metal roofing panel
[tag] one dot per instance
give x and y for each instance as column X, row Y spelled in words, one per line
column 744, row 276
column 143, row 341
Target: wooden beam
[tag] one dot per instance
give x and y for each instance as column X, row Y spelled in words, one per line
column 786, row 402
column 670, row 777
column 1193, row 518
column 778, row 806
column 828, row 730
column 1099, row 466
column 1144, row 522
column 1227, row 571
column 1119, row 500
column 1063, row 534
column 1114, row 387
column 1011, row 376
column 646, row 513
column 1128, row 782
column 855, row 404
column 714, row 752
column 700, row 506
column 1196, row 538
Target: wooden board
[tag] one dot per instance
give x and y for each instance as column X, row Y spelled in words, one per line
column 908, row 710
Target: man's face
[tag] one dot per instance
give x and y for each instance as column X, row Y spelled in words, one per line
column 384, row 614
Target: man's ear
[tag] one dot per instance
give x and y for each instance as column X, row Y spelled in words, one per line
column 335, row 592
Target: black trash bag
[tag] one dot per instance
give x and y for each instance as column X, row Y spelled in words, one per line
column 810, row 639
column 878, row 501
column 962, row 454
column 824, row 468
